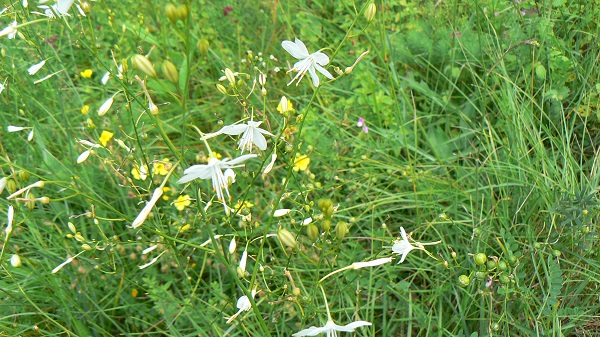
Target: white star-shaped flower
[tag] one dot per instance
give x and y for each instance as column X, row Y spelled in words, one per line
column 308, row 62
column 9, row 31
column 214, row 171
column 331, row 329
column 251, row 134
column 59, row 9
column 402, row 247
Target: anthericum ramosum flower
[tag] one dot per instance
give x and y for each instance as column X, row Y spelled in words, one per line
column 9, row 31
column 59, row 9
column 331, row 329
column 269, row 166
column 36, row 67
column 403, row 247
column 139, row 220
column 243, row 304
column 214, row 171
column 308, row 62
column 251, row 134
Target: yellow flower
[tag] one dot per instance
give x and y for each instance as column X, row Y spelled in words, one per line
column 105, row 137
column 184, row 228
column 86, row 73
column 85, row 109
column 165, row 190
column 216, row 155
column 182, row 202
column 301, row 162
column 140, row 173
column 161, row 167
column 243, row 205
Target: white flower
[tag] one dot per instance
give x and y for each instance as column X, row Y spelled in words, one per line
column 251, row 134
column 214, row 171
column 83, row 156
column 59, row 9
column 105, row 106
column 308, row 62
column 372, row 263
column 402, row 247
column 243, row 304
column 281, row 212
column 331, row 329
column 36, row 67
column 12, row 128
column 10, row 31
column 105, row 78
column 139, row 220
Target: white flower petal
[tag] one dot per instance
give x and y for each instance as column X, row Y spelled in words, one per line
column 297, row 50
column 320, row 58
column 36, row 67
column 324, row 71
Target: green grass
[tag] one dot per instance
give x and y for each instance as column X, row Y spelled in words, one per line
column 482, row 135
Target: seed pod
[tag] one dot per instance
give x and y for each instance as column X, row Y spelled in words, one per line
column 286, row 238
column 480, row 259
column 328, row 213
column 202, row 46
column 370, row 12
column 341, row 229
column 481, row 275
column 30, row 202
column 324, row 204
column 326, row 225
column 170, row 72
column 504, row 279
column 512, row 260
column 312, row 231
column 491, row 265
column 171, row 11
column 24, row 176
column 142, row 63
column 182, row 12
column 221, row 88
column 502, row 266
column 464, row 280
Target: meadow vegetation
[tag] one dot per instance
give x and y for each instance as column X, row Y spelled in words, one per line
column 423, row 168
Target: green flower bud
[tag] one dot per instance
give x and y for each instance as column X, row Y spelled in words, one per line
column 286, row 238
column 502, row 266
column 24, row 176
column 370, row 12
column 171, row 11
column 142, row 63
column 480, row 259
column 312, row 231
column 556, row 253
column 85, row 246
column 326, row 225
column 464, row 280
column 341, row 229
column 221, row 88
column 170, row 72
column 203, row 45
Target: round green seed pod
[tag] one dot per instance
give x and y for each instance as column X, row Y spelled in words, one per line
column 464, row 280
column 171, row 12
column 341, row 229
column 170, row 72
column 504, row 279
column 512, row 260
column 481, row 275
column 502, row 266
column 326, row 224
column 312, row 231
column 491, row 265
column 480, row 259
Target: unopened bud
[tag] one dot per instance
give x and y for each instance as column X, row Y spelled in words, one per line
column 229, row 75
column 286, row 238
column 153, row 108
column 85, row 246
column 11, row 186
column 170, row 72
column 370, row 12
column 142, row 63
column 86, row 7
column 15, row 261
column 72, row 227
column 171, row 11
column 221, row 89
column 202, row 46
column 104, row 107
column 45, row 200
column 341, row 229
column 312, row 231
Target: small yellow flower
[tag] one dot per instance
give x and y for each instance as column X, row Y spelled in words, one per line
column 140, row 173
column 105, row 137
column 301, row 162
column 161, row 167
column 243, row 205
column 165, row 190
column 182, row 202
column 86, row 73
column 85, row 109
